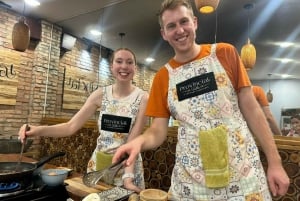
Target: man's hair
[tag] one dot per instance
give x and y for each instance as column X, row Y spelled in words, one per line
column 172, row 4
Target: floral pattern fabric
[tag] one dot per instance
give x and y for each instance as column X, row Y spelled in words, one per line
column 108, row 141
column 204, row 112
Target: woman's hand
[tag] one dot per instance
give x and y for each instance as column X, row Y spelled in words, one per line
column 128, row 184
column 23, row 132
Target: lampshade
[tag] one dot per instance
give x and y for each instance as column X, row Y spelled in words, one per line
column 206, row 6
column 20, row 35
column 248, row 55
column 270, row 96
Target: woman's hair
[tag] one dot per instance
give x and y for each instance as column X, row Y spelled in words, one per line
column 122, row 48
column 296, row 116
column 172, row 4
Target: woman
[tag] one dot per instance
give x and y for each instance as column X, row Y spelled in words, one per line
column 295, row 126
column 122, row 106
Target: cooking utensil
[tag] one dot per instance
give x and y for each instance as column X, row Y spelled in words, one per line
column 22, row 148
column 91, row 178
column 25, row 172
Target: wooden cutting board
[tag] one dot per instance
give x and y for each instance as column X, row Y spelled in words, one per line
column 78, row 190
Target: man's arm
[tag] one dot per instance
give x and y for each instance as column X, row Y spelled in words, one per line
column 256, row 120
column 271, row 120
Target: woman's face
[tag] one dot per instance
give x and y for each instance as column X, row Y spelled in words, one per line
column 295, row 124
column 123, row 65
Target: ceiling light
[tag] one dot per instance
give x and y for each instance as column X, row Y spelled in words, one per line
column 269, row 94
column 285, row 60
column 20, row 34
column 206, row 6
column 285, row 75
column 32, row 2
column 248, row 51
column 95, row 32
column 285, row 44
column 149, row 60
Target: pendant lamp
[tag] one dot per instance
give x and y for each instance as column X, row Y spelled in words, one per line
column 206, row 6
column 269, row 94
column 21, row 34
column 248, row 55
column 248, row 51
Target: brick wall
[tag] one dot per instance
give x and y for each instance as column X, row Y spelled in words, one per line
column 41, row 76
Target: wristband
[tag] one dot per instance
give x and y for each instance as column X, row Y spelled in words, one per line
column 127, row 175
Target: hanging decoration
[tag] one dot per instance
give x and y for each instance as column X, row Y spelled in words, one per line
column 269, row 94
column 206, row 6
column 21, row 34
column 121, row 35
column 248, row 55
column 248, row 51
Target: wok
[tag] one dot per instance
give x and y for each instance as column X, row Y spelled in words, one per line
column 25, row 172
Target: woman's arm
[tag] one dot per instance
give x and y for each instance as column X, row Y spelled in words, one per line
column 136, row 130
column 70, row 127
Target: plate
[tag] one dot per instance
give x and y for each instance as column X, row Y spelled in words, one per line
column 114, row 194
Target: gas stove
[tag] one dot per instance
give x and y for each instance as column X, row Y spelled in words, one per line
column 36, row 191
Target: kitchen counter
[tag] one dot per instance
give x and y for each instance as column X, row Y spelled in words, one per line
column 77, row 190
column 74, row 185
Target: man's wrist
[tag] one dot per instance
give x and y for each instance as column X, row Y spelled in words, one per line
column 127, row 175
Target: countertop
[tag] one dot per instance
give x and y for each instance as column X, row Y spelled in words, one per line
column 74, row 185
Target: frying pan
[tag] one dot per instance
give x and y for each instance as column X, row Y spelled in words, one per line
column 25, row 172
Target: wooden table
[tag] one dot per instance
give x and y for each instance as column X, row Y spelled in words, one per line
column 77, row 190
column 74, row 185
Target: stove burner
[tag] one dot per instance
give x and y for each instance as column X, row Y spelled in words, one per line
column 8, row 189
column 9, row 186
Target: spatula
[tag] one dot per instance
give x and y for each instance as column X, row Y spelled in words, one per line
column 91, row 178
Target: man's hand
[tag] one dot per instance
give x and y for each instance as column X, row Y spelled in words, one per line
column 278, row 181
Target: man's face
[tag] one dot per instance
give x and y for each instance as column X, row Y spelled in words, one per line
column 179, row 28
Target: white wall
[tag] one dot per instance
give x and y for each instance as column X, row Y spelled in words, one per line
column 286, row 94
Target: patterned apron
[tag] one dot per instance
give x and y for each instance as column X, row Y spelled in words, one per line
column 201, row 97
column 116, row 120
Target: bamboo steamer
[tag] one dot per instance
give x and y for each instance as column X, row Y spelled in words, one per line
column 153, row 195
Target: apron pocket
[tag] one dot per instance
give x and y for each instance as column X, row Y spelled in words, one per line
column 214, row 154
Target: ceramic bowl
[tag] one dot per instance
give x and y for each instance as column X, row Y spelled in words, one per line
column 153, row 195
column 54, row 177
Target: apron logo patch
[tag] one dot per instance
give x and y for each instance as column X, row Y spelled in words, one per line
column 115, row 123
column 196, row 86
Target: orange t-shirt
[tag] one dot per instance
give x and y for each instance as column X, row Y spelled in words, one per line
column 228, row 57
column 260, row 96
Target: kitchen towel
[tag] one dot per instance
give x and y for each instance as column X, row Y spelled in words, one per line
column 103, row 160
column 214, row 154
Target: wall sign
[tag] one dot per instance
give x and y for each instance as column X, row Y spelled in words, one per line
column 78, row 85
column 9, row 64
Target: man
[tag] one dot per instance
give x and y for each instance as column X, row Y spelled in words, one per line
column 207, row 90
column 263, row 102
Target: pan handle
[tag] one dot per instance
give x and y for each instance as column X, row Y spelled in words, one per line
column 48, row 158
